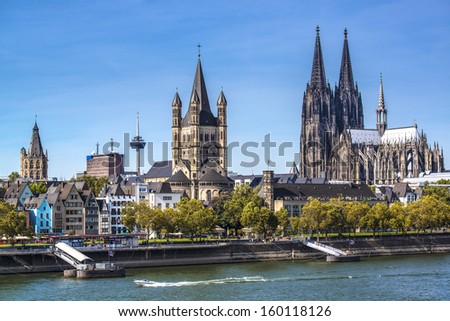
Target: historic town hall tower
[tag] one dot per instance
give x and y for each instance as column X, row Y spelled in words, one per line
column 34, row 164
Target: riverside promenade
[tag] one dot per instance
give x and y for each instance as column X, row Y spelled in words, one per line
column 38, row 260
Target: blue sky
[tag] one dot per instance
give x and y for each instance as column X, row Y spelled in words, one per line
column 86, row 68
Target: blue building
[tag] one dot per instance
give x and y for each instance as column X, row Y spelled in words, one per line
column 40, row 214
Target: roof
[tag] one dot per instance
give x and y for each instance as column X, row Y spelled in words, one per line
column 199, row 89
column 77, row 255
column 365, row 136
column 160, row 169
column 313, row 180
column 160, row 187
column 178, row 177
column 212, row 176
column 325, row 191
column 15, row 190
column 400, row 189
column 400, row 135
column 35, row 144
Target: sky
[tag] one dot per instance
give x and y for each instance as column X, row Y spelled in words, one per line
column 85, row 67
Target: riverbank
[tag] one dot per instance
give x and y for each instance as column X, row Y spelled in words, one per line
column 42, row 260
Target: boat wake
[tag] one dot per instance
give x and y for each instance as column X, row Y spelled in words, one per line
column 155, row 284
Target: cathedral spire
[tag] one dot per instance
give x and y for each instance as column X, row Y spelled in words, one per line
column 381, row 110
column 346, row 73
column 318, row 69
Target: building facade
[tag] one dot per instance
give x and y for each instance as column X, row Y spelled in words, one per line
column 34, row 163
column 105, row 165
column 335, row 144
column 199, row 144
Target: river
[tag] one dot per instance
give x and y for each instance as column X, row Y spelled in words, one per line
column 418, row 277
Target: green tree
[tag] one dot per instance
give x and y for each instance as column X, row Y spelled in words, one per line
column 194, row 219
column 259, row 218
column 13, row 176
column 334, row 217
column 233, row 207
column 354, row 212
column 399, row 217
column 129, row 215
column 428, row 212
column 295, row 224
column 165, row 221
column 12, row 223
column 38, row 188
column 218, row 205
column 95, row 184
column 283, row 220
column 377, row 217
column 439, row 192
column 312, row 217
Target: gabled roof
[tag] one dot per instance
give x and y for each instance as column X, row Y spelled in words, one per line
column 160, row 170
column 178, row 177
column 160, row 187
column 52, row 198
column 400, row 189
column 212, row 176
column 15, row 190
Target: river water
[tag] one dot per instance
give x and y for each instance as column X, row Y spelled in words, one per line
column 418, row 277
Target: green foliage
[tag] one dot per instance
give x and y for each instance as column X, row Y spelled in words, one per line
column 439, row 192
column 11, row 222
column 194, row 218
column 259, row 218
column 38, row 188
column 428, row 212
column 13, row 176
column 218, row 205
column 234, row 206
column 353, row 213
column 282, row 216
column 95, row 184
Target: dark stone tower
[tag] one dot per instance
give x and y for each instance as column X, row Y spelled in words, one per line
column 199, row 142
column 349, row 109
column 318, row 120
column 34, row 164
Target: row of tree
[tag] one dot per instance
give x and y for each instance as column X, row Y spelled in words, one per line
column 429, row 212
column 242, row 208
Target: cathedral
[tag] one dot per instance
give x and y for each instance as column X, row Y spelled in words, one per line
column 199, row 144
column 34, row 163
column 334, row 143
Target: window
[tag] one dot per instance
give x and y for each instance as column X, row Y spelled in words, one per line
column 159, row 205
column 167, row 205
column 167, row 198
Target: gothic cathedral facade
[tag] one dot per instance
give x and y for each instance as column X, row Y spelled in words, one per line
column 335, row 144
column 34, row 164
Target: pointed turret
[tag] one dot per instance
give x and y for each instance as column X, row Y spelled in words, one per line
column 176, row 100
column 318, row 78
column 35, row 144
column 381, row 110
column 199, row 90
column 221, row 101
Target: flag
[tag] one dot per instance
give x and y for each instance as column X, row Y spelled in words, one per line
column 111, row 253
